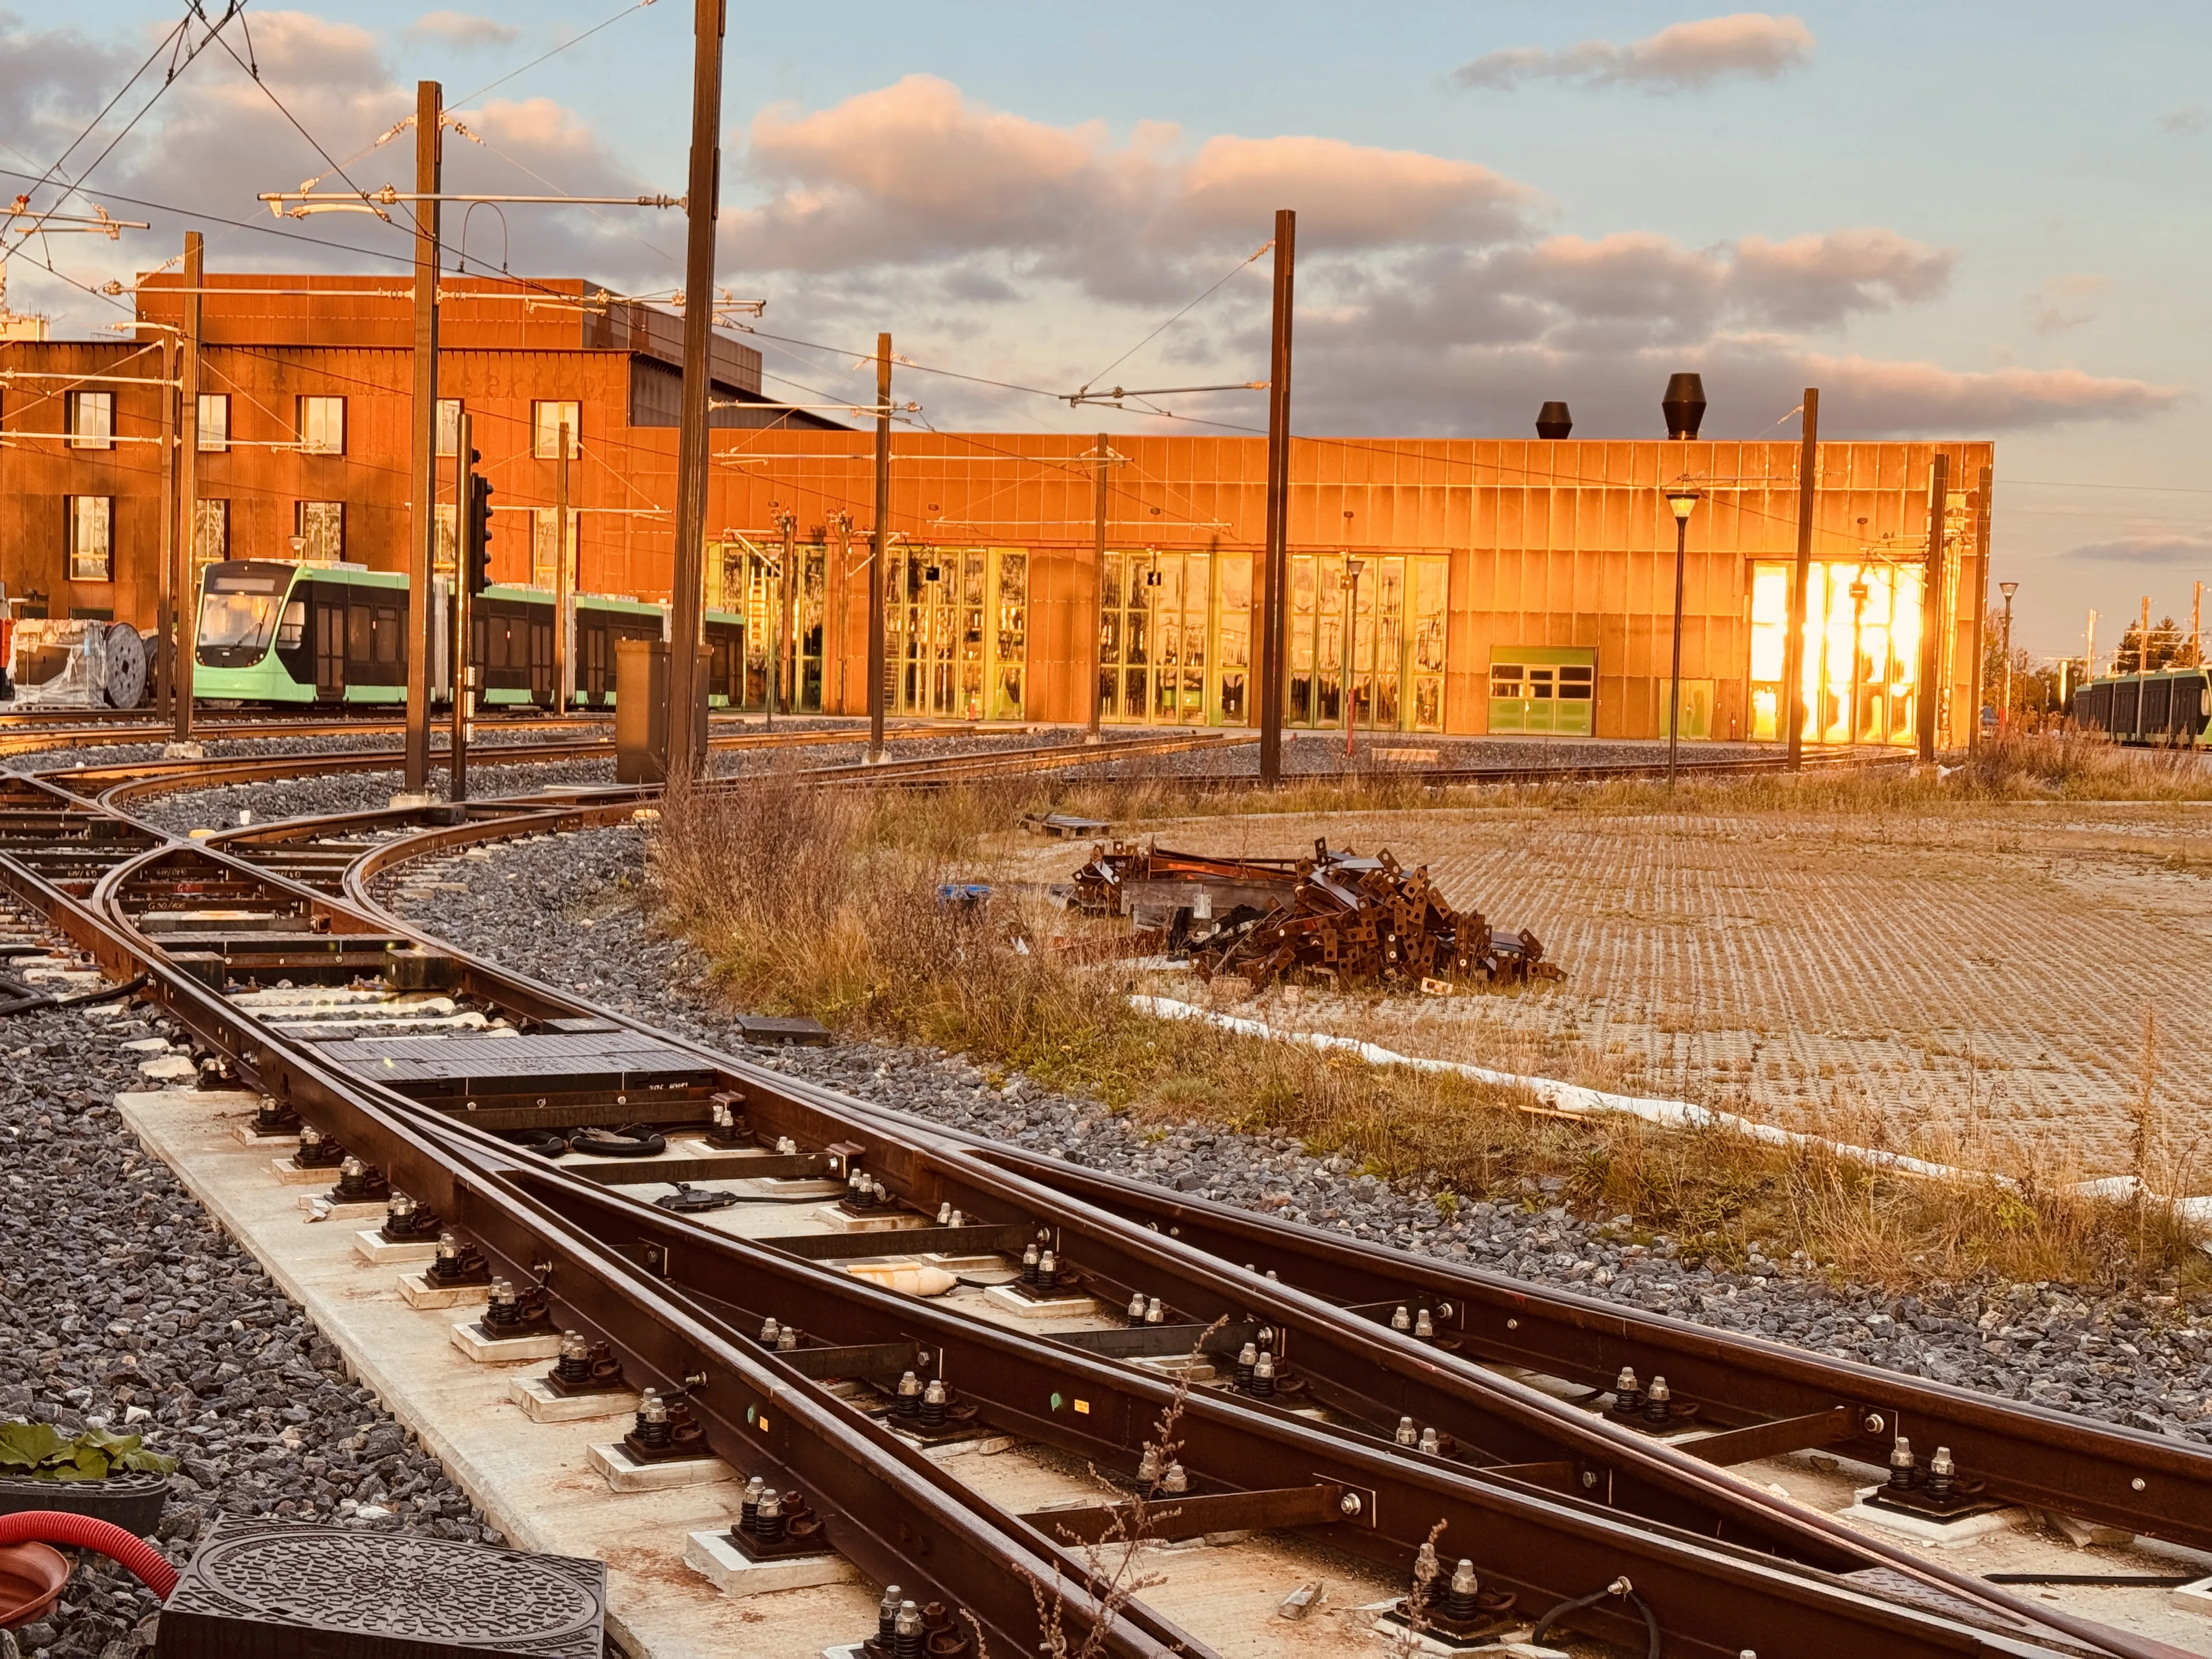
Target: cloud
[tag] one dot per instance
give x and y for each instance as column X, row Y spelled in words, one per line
column 914, row 171
column 2059, row 304
column 1684, row 58
column 2185, row 123
column 2147, row 549
column 462, row 30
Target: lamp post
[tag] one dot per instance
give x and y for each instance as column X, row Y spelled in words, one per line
column 1683, row 500
column 2004, row 714
column 1350, row 582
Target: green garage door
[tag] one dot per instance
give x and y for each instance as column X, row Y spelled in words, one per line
column 1543, row 687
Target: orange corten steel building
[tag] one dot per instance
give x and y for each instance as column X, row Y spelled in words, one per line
column 1498, row 585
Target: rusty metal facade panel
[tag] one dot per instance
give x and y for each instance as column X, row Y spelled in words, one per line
column 1564, row 543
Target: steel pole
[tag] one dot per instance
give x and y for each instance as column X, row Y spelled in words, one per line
column 2004, row 715
column 880, row 562
column 188, row 463
column 564, row 676
column 1275, row 573
column 460, row 668
column 1350, row 653
column 1794, row 652
column 1931, row 608
column 422, row 469
column 702, row 190
column 1675, row 679
column 1096, row 655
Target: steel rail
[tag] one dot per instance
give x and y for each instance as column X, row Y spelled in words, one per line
column 2091, row 1458
column 899, row 1516
column 171, row 855
column 1714, row 1595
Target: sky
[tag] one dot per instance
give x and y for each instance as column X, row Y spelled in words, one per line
column 1957, row 221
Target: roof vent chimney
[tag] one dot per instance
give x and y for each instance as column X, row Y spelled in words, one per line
column 1684, row 405
column 1553, row 421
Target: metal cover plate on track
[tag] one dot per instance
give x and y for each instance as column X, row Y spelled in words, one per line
column 624, row 1060
column 777, row 1033
column 275, row 1590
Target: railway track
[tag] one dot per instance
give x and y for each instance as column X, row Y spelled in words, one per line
column 1405, row 1392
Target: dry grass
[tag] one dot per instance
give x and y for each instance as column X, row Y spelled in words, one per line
column 826, row 902
column 2027, row 766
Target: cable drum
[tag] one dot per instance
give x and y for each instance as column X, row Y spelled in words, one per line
column 125, row 679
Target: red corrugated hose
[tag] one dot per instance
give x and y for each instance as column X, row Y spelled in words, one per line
column 82, row 1532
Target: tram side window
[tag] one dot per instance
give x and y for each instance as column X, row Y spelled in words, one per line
column 292, row 629
column 359, row 647
column 387, row 635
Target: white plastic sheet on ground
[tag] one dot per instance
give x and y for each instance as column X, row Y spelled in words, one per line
column 1576, row 1101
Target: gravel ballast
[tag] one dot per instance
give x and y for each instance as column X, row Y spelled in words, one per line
column 146, row 1316
column 565, row 909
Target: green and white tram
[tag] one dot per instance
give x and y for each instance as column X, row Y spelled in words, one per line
column 273, row 632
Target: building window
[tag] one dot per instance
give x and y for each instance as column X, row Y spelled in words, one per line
column 215, row 422
column 545, row 547
column 449, row 425
column 92, row 539
column 92, row 420
column 320, row 533
column 210, row 531
column 442, row 556
column 322, row 426
column 545, row 424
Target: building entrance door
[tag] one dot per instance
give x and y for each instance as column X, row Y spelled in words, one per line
column 1393, row 611
column 1174, row 645
column 957, row 632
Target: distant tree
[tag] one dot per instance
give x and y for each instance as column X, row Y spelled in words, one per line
column 2169, row 648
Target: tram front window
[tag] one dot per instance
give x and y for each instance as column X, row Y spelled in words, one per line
column 239, row 612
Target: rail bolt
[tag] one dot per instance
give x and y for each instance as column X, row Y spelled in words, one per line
column 1402, row 1321
column 1658, row 1401
column 906, row 1639
column 908, row 1401
column 1263, row 1376
column 652, row 1419
column 1174, row 1482
column 769, row 1330
column 574, row 1364
column 1903, row 1468
column 1424, row 1328
column 1407, row 1434
column 1941, row 1475
column 1154, row 1313
column 1030, row 1264
column 1432, row 1442
column 1248, row 1357
column 934, row 1399
column 1460, row 1603
column 768, row 1518
column 1348, row 1504
column 1136, row 1308
column 1047, row 1272
column 887, row 1611
column 749, row 1507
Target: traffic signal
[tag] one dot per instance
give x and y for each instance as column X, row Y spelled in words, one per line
column 478, row 542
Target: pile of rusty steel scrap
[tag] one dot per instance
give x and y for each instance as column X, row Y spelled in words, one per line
column 1335, row 917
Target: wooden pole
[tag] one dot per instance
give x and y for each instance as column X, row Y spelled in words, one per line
column 1931, row 608
column 1275, row 571
column 880, row 562
column 563, row 676
column 1097, row 606
column 701, row 204
column 1793, row 654
column 172, row 585
column 2142, row 639
column 188, row 466
column 422, row 470
column 786, row 650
